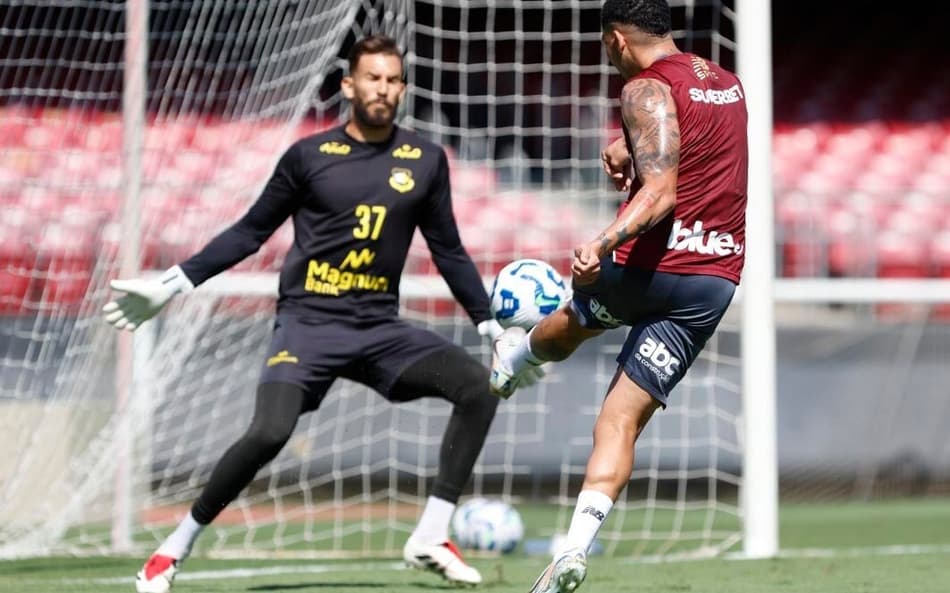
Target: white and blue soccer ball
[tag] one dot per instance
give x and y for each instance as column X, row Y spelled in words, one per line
column 525, row 292
column 487, row 524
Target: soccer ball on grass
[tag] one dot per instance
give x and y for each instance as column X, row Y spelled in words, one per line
column 489, row 525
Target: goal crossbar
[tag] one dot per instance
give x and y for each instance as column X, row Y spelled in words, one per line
column 786, row 290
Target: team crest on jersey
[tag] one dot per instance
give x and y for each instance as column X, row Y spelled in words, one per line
column 408, row 152
column 334, row 147
column 401, row 180
column 701, row 69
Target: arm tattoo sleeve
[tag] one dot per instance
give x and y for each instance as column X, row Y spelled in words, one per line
column 650, row 115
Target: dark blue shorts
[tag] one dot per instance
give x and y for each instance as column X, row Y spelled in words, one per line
column 313, row 353
column 671, row 316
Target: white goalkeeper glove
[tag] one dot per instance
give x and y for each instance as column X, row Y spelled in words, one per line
column 490, row 328
column 532, row 374
column 143, row 299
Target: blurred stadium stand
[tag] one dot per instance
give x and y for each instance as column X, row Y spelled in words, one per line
column 861, row 172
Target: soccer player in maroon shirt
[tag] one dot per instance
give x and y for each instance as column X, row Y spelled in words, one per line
column 667, row 267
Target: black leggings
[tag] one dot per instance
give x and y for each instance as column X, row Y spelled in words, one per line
column 450, row 374
column 453, row 375
column 276, row 411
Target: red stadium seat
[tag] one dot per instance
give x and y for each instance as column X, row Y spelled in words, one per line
column 884, row 183
column 169, row 135
column 856, row 140
column 848, row 253
column 66, row 261
column 194, row 167
column 804, row 255
column 104, row 136
column 938, row 163
column 472, row 180
column 220, row 136
column 796, row 209
column 902, row 255
column 930, row 182
column 271, row 138
column 906, row 220
column 910, row 143
column 17, row 263
column 43, row 137
column 15, row 123
column 825, row 179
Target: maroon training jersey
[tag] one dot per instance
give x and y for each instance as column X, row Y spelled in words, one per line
column 705, row 233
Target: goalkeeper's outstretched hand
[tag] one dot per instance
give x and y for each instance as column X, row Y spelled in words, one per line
column 491, row 329
column 143, row 299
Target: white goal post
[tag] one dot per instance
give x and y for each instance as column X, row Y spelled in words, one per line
column 760, row 457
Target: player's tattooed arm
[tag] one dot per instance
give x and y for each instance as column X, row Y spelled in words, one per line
column 650, row 114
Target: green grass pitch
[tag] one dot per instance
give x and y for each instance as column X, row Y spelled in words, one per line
column 888, row 547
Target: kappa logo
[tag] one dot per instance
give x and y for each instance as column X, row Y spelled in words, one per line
column 282, row 356
column 658, row 358
column 335, row 147
column 701, row 69
column 589, row 510
column 408, row 152
column 401, row 180
column 602, row 315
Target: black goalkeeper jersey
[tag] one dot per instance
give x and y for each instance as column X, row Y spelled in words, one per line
column 355, row 206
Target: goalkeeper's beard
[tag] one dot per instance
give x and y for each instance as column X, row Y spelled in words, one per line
column 381, row 119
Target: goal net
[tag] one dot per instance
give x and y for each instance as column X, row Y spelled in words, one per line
column 521, row 96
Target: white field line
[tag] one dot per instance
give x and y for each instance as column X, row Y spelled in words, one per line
column 898, row 550
column 233, row 573
column 237, row 573
column 856, row 552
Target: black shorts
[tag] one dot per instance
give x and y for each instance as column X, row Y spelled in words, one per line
column 671, row 316
column 313, row 353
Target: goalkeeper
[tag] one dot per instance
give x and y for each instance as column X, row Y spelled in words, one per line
column 667, row 267
column 356, row 194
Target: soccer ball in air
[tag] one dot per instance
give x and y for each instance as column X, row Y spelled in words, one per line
column 525, row 292
column 486, row 524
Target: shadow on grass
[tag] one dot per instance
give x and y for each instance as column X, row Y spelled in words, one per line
column 320, row 585
column 335, row 585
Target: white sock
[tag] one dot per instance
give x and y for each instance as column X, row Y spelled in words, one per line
column 589, row 514
column 529, row 355
column 433, row 526
column 523, row 356
column 178, row 544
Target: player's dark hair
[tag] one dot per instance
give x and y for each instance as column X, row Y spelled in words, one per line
column 374, row 44
column 650, row 16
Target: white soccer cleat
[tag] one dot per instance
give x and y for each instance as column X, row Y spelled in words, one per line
column 157, row 575
column 503, row 380
column 443, row 559
column 564, row 575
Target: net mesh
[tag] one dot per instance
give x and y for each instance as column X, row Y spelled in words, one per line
column 522, row 98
